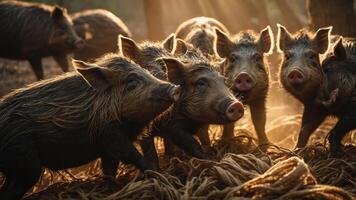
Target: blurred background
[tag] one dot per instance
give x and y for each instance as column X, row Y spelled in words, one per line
column 155, row 19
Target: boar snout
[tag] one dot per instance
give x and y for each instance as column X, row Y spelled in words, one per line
column 79, row 43
column 295, row 77
column 234, row 111
column 244, row 82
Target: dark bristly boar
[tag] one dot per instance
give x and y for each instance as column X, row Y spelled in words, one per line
column 204, row 100
column 187, row 51
column 147, row 54
column 68, row 121
column 301, row 73
column 199, row 32
column 100, row 29
column 246, row 69
column 338, row 85
column 338, row 92
column 32, row 31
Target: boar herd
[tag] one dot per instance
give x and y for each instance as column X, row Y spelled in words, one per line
column 173, row 89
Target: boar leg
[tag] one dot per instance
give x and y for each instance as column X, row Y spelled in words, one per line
column 258, row 116
column 22, row 169
column 117, row 146
column 36, row 65
column 188, row 143
column 311, row 120
column 169, row 147
column 343, row 126
column 109, row 166
column 62, row 62
column 149, row 152
column 203, row 135
column 229, row 130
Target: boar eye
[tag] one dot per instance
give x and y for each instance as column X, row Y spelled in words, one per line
column 312, row 55
column 202, row 83
column 258, row 58
column 132, row 82
column 287, row 56
column 234, row 58
column 62, row 30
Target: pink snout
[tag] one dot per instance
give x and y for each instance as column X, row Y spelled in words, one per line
column 79, row 43
column 235, row 111
column 244, row 82
column 295, row 77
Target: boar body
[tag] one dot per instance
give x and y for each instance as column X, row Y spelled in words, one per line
column 301, row 73
column 100, row 29
column 32, row 31
column 247, row 72
column 75, row 118
column 338, row 92
column 199, row 32
column 325, row 90
column 204, row 100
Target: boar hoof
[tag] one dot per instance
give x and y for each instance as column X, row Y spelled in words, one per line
column 202, row 156
column 264, row 145
column 336, row 152
column 298, row 150
column 153, row 167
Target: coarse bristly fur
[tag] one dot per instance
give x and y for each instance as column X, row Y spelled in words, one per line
column 245, row 55
column 204, row 99
column 64, row 102
column 339, row 68
column 245, row 45
column 26, row 33
column 302, row 45
column 307, row 79
column 31, row 31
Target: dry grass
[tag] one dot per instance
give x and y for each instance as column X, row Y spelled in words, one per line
column 240, row 170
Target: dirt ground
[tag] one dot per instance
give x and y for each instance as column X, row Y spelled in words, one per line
column 16, row 74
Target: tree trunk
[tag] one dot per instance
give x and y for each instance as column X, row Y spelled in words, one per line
column 153, row 13
column 339, row 14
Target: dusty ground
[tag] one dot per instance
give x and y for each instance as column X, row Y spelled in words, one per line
column 17, row 74
column 240, row 168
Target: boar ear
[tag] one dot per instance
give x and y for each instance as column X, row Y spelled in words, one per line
column 221, row 66
column 129, row 48
column 283, row 38
column 265, row 40
column 222, row 43
column 58, row 13
column 339, row 49
column 180, row 48
column 175, row 70
column 97, row 77
column 168, row 43
column 334, row 38
column 321, row 39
